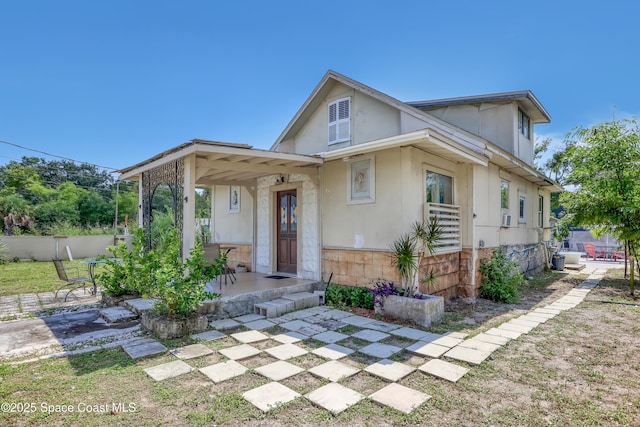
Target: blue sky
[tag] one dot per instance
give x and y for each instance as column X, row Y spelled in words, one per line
column 114, row 82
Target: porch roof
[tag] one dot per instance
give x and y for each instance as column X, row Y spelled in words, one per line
column 425, row 139
column 221, row 163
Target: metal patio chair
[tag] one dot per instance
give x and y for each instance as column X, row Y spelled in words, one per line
column 75, row 282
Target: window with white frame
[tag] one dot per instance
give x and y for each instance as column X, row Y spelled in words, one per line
column 524, row 124
column 540, row 211
column 504, row 194
column 340, row 120
column 522, row 209
column 439, row 188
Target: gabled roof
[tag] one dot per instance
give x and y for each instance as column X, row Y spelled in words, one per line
column 331, row 79
column 525, row 98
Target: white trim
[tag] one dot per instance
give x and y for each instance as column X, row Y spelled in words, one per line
column 522, row 209
column 361, row 180
column 339, row 124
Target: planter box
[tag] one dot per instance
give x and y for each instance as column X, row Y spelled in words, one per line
column 423, row 312
column 165, row 327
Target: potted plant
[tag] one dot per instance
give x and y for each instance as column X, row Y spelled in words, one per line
column 408, row 252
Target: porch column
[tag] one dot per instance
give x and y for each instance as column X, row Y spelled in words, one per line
column 189, row 205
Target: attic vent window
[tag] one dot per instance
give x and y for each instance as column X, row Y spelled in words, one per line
column 524, row 124
column 340, row 121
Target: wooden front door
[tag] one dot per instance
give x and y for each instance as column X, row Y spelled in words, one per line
column 287, row 233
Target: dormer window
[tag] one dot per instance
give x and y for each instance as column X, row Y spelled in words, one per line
column 340, row 121
column 524, row 124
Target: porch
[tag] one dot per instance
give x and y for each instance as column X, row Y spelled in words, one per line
column 251, row 288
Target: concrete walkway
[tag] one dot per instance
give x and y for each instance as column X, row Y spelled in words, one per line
column 450, row 356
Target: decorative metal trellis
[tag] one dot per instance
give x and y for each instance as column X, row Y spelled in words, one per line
column 172, row 175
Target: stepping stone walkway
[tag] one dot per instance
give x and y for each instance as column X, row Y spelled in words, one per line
column 322, row 324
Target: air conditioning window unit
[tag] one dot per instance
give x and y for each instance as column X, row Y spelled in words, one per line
column 506, row 220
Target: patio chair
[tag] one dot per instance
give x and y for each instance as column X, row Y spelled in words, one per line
column 591, row 251
column 213, row 252
column 75, row 282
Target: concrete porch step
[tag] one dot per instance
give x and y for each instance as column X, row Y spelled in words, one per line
column 287, row 303
column 116, row 315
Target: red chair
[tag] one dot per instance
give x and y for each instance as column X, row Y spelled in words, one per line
column 591, row 251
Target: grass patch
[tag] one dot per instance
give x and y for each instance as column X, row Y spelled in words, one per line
column 36, row 276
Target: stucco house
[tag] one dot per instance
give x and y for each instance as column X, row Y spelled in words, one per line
column 351, row 172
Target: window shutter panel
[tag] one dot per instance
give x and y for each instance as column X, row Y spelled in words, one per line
column 339, row 121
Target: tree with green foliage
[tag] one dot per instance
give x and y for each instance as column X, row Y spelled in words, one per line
column 45, row 197
column 602, row 165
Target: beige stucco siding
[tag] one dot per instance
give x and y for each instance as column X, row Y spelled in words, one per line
column 232, row 227
column 489, row 213
column 370, row 120
column 399, row 198
column 494, row 122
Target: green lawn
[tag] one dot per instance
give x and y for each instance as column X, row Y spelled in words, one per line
column 35, row 276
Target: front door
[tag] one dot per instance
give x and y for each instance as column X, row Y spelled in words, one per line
column 287, row 233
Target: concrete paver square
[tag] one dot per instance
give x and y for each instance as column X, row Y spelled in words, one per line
column 248, row 318
column 328, row 324
column 250, row 336
column 279, row 370
column 259, row 324
column 524, row 322
column 447, row 341
column 382, row 326
column 333, row 351
column 223, row 371
column 296, row 325
column 333, row 370
column 286, row 351
column 357, row 320
column 547, row 310
column 238, row 352
column 191, row 351
column 503, row 333
column 443, row 369
column 208, row 336
column 289, row 337
column 270, row 396
column 116, row 314
column 515, row 327
column 414, row 334
column 310, row 330
column 479, row 345
column 330, row 337
column 380, row 350
column 400, row 398
column 224, row 324
column 168, row 370
column 460, row 335
column 389, row 370
column 493, row 339
column 334, row 397
column 428, row 349
column 534, row 317
column 466, row 354
column 370, row 335
column 335, row 314
column 143, row 348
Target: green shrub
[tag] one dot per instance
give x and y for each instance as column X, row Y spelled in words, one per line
column 501, row 278
column 348, row 296
column 123, row 273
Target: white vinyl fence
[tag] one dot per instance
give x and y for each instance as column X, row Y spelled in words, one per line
column 44, row 248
